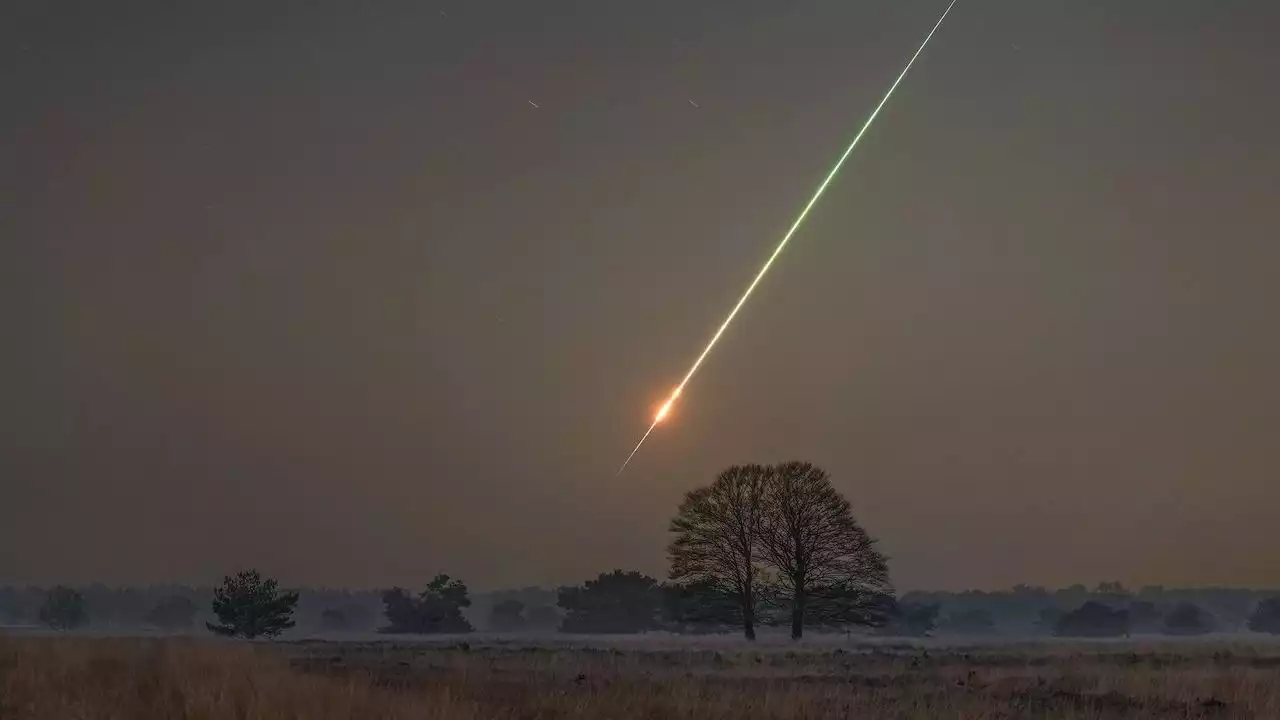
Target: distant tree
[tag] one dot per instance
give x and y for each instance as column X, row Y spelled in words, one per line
column 63, row 609
column 334, row 620
column 532, row 596
column 616, row 602
column 1266, row 617
column 828, row 568
column 715, row 553
column 1144, row 617
column 1093, row 619
column 1020, row 607
column 700, row 608
column 1113, row 590
column 402, row 612
column 910, row 619
column 437, row 609
column 1037, row 610
column 507, row 616
column 99, row 602
column 1072, row 596
column 444, row 600
column 176, row 612
column 1229, row 607
column 977, row 621
column 250, row 606
column 357, row 616
column 1047, row 619
column 1188, row 619
column 543, row 618
column 11, row 610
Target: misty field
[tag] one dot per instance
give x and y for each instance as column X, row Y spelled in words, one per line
column 57, row 677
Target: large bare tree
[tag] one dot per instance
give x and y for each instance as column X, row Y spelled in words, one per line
column 828, row 568
column 717, row 541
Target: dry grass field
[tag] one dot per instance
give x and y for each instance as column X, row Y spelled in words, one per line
column 70, row 678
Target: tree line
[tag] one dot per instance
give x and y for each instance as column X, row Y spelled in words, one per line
column 248, row 605
column 1109, row 609
column 773, row 545
column 760, row 545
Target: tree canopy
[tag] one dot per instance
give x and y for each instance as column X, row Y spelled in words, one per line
column 1093, row 619
column 717, row 545
column 63, row 609
column 1266, row 617
column 616, row 602
column 827, row 566
column 912, row 619
column 507, row 616
column 779, row 536
column 437, row 609
column 1188, row 619
column 250, row 606
column 699, row 608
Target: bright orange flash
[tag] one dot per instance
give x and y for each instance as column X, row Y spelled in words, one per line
column 666, row 407
column 658, row 417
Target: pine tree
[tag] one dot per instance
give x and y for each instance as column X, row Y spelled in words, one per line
column 249, row 606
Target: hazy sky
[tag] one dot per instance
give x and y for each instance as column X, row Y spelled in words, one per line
column 312, row 286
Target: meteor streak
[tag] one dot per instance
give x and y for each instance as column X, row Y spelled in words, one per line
column 666, row 406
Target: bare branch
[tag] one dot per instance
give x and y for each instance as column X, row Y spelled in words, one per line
column 826, row 562
column 717, row 538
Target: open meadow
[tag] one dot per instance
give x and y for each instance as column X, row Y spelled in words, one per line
column 54, row 678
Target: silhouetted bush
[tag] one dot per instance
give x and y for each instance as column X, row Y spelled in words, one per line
column 700, row 608
column 968, row 622
column 617, row 602
column 1093, row 619
column 507, row 616
column 1047, row 619
column 1144, row 617
column 63, row 609
column 1266, row 617
column 438, row 609
column 543, row 618
column 910, row 619
column 1188, row 619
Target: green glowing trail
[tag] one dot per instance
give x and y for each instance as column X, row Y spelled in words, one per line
column 666, row 407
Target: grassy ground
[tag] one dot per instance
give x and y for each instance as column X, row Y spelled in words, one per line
column 67, row 678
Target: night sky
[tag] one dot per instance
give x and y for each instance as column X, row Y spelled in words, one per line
column 313, row 286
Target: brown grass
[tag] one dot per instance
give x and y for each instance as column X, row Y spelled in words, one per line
column 70, row 678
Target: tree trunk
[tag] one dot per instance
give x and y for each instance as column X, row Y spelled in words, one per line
column 797, row 616
column 749, row 618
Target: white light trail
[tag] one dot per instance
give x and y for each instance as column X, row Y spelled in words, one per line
column 666, row 407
